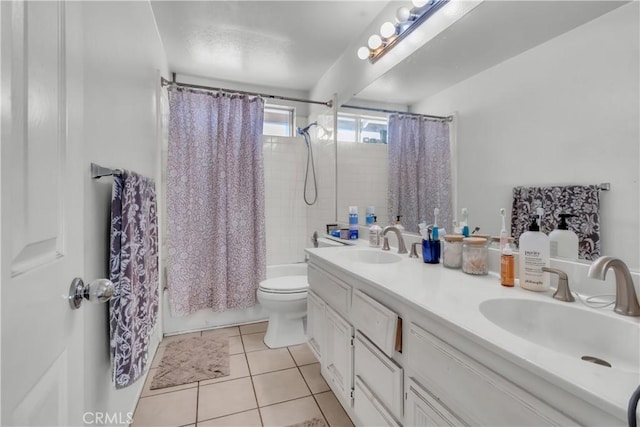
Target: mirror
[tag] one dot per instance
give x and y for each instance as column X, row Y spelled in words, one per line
column 543, row 93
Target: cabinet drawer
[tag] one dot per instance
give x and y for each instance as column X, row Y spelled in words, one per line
column 332, row 290
column 381, row 374
column 375, row 320
column 368, row 410
column 424, row 410
column 477, row 395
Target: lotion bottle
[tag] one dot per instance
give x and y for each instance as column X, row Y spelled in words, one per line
column 374, row 234
column 564, row 242
column 534, row 254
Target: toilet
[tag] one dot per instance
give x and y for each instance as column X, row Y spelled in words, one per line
column 285, row 298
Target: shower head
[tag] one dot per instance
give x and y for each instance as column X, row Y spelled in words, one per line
column 306, row 130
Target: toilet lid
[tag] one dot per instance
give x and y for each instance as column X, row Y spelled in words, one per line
column 285, row 284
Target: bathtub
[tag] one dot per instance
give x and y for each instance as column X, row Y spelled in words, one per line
column 208, row 319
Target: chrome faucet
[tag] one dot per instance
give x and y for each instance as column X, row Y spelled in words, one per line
column 626, row 299
column 402, row 249
column 563, row 293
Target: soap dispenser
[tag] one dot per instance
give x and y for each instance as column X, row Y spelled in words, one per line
column 533, row 255
column 564, row 242
column 398, row 225
column 375, row 232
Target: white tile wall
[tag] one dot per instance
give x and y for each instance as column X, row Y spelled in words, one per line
column 324, row 210
column 362, row 180
column 286, row 216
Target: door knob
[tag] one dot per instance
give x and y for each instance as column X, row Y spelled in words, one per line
column 100, row 290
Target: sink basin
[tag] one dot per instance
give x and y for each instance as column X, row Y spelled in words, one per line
column 586, row 334
column 370, row 256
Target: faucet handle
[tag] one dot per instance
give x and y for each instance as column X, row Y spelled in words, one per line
column 385, row 244
column 414, row 250
column 563, row 293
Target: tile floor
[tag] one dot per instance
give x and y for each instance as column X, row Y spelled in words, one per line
column 266, row 387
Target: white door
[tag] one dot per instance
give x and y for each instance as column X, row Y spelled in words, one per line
column 338, row 356
column 42, row 221
column 315, row 324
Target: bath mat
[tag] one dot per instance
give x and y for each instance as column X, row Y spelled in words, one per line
column 314, row 422
column 193, row 359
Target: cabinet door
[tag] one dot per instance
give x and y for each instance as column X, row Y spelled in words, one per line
column 423, row 410
column 315, row 324
column 338, row 356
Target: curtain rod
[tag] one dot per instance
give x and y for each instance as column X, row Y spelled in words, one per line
column 383, row 110
column 165, row 82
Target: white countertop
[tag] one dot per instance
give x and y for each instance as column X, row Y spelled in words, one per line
column 455, row 297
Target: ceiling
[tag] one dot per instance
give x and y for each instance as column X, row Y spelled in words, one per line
column 291, row 44
column 491, row 33
column 282, row 44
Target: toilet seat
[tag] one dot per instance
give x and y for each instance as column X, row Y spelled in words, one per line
column 285, row 285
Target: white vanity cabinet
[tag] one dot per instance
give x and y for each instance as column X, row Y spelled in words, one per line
column 357, row 367
column 395, row 352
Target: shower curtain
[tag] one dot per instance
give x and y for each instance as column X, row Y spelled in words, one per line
column 419, row 171
column 215, row 201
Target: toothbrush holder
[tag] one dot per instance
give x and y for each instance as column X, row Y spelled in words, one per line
column 431, row 251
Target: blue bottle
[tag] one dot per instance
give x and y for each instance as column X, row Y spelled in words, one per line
column 353, row 223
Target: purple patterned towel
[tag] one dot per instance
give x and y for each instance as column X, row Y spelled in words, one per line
column 134, row 272
column 580, row 200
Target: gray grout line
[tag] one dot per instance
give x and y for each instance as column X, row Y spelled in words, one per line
column 255, row 396
column 235, row 413
column 312, row 394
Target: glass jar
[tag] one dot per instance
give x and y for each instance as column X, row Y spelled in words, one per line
column 475, row 256
column 452, row 251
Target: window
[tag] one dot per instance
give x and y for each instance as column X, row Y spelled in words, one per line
column 278, row 121
column 365, row 129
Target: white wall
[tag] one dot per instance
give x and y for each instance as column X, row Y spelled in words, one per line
column 563, row 112
column 122, row 56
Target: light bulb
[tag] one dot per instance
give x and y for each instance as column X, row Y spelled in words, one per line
column 419, row 3
column 403, row 14
column 374, row 42
column 363, row 52
column 387, row 30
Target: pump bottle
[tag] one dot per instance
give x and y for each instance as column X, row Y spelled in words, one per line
column 564, row 242
column 534, row 254
column 374, row 234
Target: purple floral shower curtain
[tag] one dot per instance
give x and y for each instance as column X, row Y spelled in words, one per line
column 419, row 171
column 215, row 201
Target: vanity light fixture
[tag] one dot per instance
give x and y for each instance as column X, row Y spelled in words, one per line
column 406, row 20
